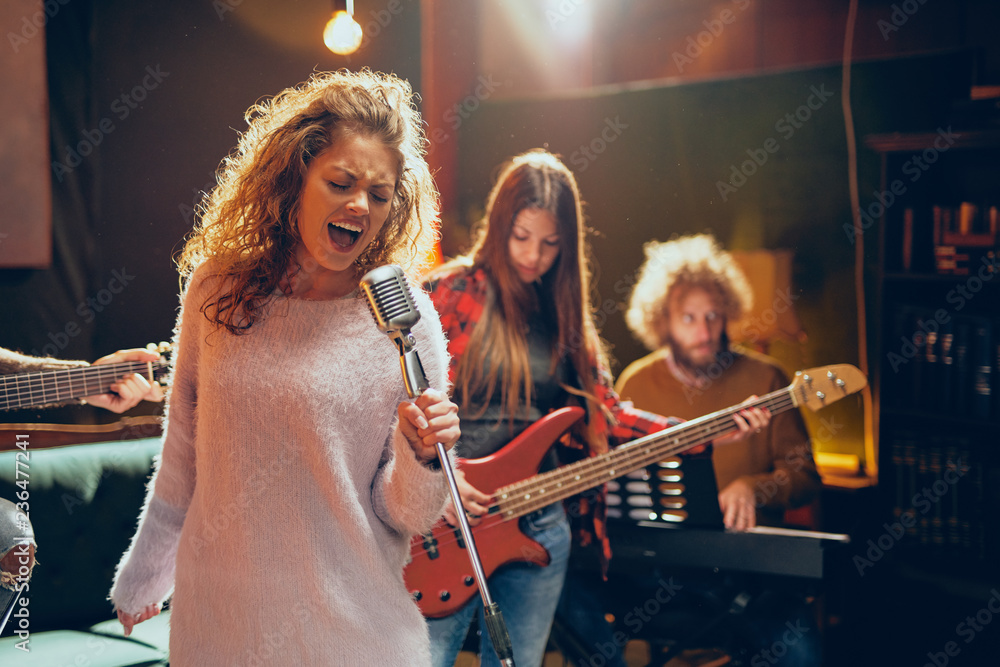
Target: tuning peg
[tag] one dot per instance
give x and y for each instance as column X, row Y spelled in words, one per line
column 838, row 382
column 821, row 396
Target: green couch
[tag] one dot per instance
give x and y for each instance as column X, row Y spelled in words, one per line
column 84, row 502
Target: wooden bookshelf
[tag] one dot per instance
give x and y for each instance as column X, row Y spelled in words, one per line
column 937, row 304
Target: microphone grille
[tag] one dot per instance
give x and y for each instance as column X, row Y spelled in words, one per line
column 389, row 298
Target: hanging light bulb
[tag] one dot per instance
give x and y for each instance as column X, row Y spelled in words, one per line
column 342, row 34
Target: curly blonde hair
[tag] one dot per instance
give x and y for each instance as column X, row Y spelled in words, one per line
column 675, row 267
column 247, row 225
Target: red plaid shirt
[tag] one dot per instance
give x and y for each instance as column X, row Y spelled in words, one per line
column 458, row 298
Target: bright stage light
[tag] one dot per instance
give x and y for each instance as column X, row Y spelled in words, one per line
column 342, row 34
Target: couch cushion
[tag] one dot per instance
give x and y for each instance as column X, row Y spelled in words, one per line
column 84, row 505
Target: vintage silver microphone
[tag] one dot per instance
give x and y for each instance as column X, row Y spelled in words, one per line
column 395, row 314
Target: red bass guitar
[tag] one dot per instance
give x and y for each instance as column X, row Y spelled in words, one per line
column 439, row 575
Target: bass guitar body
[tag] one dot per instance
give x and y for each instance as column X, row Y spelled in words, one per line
column 440, row 577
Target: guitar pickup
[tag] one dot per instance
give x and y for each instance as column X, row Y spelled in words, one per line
column 431, row 546
column 459, row 539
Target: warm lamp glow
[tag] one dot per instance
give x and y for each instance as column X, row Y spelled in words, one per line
column 342, row 34
column 772, row 316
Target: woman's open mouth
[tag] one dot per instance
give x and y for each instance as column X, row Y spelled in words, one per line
column 343, row 234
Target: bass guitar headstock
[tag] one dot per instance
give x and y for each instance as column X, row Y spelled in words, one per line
column 817, row 388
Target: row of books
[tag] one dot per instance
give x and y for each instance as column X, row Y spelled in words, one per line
column 960, row 238
column 940, row 493
column 950, row 260
column 941, row 363
column 967, row 224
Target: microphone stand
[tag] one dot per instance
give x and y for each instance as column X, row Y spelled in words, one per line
column 416, row 383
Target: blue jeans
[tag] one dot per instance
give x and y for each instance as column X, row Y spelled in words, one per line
column 526, row 594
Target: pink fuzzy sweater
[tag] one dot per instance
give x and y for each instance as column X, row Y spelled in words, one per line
column 281, row 509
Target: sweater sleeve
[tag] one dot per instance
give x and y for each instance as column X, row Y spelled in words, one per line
column 15, row 362
column 145, row 574
column 408, row 495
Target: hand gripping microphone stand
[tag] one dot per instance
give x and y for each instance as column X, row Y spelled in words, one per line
column 395, row 314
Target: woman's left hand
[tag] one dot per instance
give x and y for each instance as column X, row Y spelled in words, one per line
column 430, row 419
column 131, row 389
